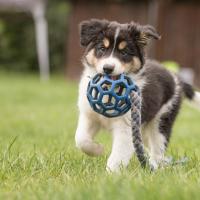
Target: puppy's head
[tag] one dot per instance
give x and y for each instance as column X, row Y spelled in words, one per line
column 115, row 48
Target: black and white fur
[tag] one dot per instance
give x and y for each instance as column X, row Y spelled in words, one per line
column 116, row 48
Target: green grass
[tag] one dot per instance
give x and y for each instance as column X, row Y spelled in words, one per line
column 38, row 158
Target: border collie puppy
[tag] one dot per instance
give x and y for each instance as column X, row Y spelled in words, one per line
column 115, row 48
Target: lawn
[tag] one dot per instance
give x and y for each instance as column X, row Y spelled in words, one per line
column 38, row 158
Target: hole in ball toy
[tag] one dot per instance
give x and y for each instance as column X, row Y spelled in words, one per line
column 105, row 99
column 122, row 105
column 120, row 89
column 108, row 101
column 95, row 94
column 110, row 112
column 98, row 107
column 113, row 100
column 106, row 85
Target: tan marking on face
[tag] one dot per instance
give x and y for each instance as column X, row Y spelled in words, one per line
column 143, row 39
column 136, row 63
column 122, row 45
column 106, row 42
column 90, row 58
column 133, row 66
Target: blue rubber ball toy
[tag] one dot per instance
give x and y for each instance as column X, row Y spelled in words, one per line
column 110, row 96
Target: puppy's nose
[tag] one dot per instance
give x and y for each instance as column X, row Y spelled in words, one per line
column 108, row 69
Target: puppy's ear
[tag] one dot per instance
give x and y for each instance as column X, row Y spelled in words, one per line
column 90, row 29
column 143, row 34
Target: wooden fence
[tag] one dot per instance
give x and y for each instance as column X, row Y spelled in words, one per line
column 177, row 21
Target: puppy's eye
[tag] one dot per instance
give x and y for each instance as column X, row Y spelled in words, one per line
column 102, row 49
column 124, row 53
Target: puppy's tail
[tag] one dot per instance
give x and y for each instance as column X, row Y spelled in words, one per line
column 192, row 95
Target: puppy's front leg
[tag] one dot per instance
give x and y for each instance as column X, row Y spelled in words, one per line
column 86, row 130
column 122, row 149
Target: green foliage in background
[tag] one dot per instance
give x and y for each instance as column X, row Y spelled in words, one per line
column 17, row 38
column 172, row 66
column 38, row 158
column 58, row 13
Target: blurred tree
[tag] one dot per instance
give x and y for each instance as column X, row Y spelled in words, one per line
column 57, row 14
column 17, row 38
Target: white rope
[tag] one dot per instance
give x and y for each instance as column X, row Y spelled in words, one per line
column 136, row 127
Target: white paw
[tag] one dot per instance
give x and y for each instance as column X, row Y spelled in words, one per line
column 116, row 165
column 154, row 165
column 95, row 150
column 90, row 148
column 159, row 163
column 112, row 168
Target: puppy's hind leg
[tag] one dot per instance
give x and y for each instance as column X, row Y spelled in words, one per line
column 159, row 134
column 156, row 144
column 162, row 127
column 86, row 130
